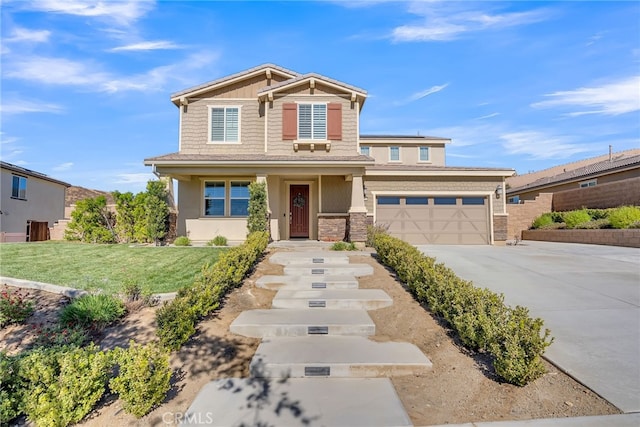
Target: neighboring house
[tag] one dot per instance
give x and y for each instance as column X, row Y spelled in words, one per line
column 300, row 134
column 30, row 203
column 614, row 168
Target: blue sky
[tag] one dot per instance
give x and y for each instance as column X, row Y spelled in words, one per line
column 525, row 85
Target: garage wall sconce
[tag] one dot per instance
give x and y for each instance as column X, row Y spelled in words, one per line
column 498, row 191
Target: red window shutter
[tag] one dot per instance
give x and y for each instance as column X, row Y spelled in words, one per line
column 289, row 121
column 334, row 121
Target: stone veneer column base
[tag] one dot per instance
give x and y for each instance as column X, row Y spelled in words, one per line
column 332, row 228
column 358, row 227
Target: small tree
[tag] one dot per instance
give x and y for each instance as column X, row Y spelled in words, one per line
column 258, row 213
column 125, row 216
column 157, row 210
column 91, row 222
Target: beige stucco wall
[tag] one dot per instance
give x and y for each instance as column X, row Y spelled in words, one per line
column 348, row 144
column 437, row 185
column 336, row 194
column 44, row 202
column 409, row 154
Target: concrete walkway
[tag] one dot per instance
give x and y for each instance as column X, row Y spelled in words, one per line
column 315, row 363
column 588, row 295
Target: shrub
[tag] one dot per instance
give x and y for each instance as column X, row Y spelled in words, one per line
column 343, row 246
column 217, row 241
column 176, row 323
column 14, row 307
column 60, row 335
column 624, row 216
column 10, row 389
column 143, row 377
column 479, row 316
column 182, row 241
column 542, row 220
column 93, row 311
column 597, row 214
column 575, row 218
column 62, row 384
column 635, row 224
column 257, row 219
column 595, row 224
column 519, row 348
column 177, row 319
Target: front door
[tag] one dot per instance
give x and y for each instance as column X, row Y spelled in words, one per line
column 299, row 211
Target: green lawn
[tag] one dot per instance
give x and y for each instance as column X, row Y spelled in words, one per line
column 92, row 266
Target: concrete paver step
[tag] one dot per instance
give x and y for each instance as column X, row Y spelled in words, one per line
column 308, row 282
column 302, row 322
column 367, row 299
column 336, row 356
column 315, row 257
column 329, row 269
column 351, row 402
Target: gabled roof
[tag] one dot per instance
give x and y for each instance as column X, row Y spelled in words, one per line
column 29, row 172
column 205, row 87
column 257, row 159
column 313, row 77
column 594, row 169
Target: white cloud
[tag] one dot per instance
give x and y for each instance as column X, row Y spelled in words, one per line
column 427, row 92
column 444, row 21
column 611, row 99
column 89, row 76
column 147, row 45
column 539, row 145
column 26, row 35
column 20, row 106
column 62, row 167
column 133, row 178
column 7, row 139
column 120, row 12
column 488, row 116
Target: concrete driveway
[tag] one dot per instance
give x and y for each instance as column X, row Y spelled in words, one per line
column 588, row 295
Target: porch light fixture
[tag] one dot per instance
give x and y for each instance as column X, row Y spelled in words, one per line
column 364, row 191
column 498, row 191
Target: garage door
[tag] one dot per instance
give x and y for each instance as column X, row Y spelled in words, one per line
column 435, row 220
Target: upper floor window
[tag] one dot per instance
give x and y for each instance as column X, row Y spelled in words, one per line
column 394, row 154
column 19, row 187
column 225, row 124
column 312, row 121
column 365, row 150
column 591, row 183
column 424, row 154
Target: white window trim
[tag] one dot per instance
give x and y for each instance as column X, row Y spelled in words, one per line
column 399, row 154
column 20, row 178
column 428, row 154
column 326, row 125
column 368, row 147
column 209, row 111
column 587, row 184
column 227, row 196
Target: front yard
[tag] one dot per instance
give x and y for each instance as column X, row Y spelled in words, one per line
column 105, row 267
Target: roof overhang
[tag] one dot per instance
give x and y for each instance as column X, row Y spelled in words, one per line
column 267, row 94
column 403, row 140
column 181, row 98
column 496, row 173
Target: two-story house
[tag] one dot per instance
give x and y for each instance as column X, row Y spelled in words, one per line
column 300, row 134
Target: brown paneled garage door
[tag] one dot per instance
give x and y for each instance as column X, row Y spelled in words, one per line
column 435, row 220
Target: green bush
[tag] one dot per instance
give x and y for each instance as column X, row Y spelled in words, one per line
column 60, row 335
column 574, row 218
column 177, row 319
column 14, row 307
column 597, row 214
column 143, row 377
column 182, row 241
column 542, row 221
column 624, row 216
column 93, row 311
column 257, row 220
column 62, row 384
column 635, row 224
column 343, row 246
column 176, row 323
column 10, row 388
column 217, row 241
column 519, row 348
column 479, row 316
column 595, row 224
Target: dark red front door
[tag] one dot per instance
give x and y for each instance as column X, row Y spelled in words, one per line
column 299, row 211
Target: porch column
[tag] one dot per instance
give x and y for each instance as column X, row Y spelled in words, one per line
column 357, row 212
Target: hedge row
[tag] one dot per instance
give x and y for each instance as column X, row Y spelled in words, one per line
column 177, row 319
column 619, row 218
column 479, row 316
column 60, row 385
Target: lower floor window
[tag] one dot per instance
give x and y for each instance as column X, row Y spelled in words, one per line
column 219, row 202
